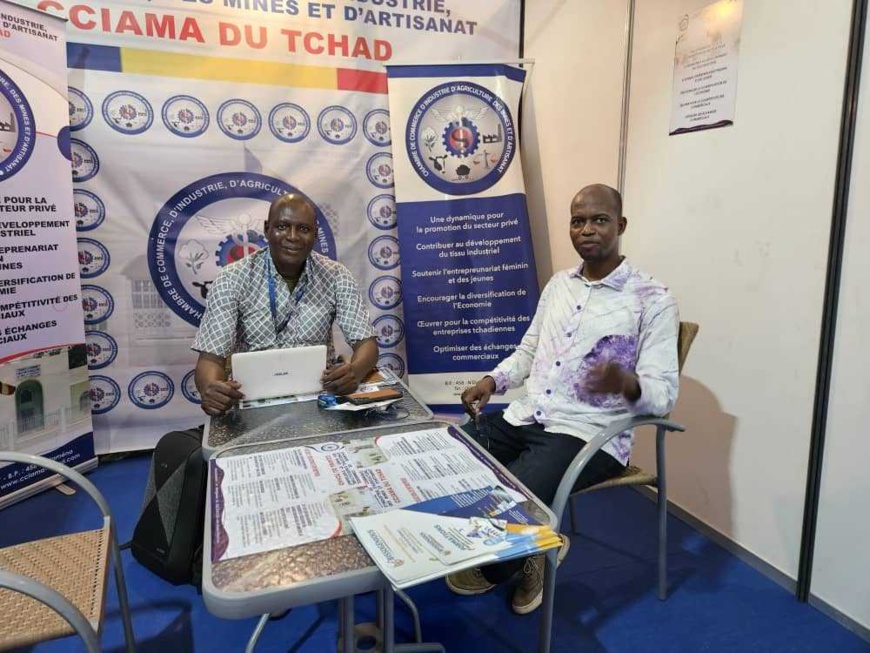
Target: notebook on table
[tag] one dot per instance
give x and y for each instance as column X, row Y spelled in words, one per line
column 276, row 374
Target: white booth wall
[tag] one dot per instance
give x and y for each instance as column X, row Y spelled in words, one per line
column 571, row 117
column 736, row 221
column 841, row 573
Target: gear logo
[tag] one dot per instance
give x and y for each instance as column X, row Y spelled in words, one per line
column 460, row 138
column 389, row 331
column 235, row 247
column 384, row 252
column 18, row 131
column 336, row 125
column 185, row 116
column 85, row 162
column 151, row 390
column 89, row 210
column 105, row 394
column 101, row 349
column 381, row 212
column 385, row 293
column 376, row 127
column 81, row 111
column 97, row 304
column 213, row 222
column 289, row 122
column 188, row 388
column 94, row 258
column 127, row 112
column 239, row 119
column 392, row 362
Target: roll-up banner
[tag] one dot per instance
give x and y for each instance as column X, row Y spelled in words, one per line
column 44, row 387
column 468, row 272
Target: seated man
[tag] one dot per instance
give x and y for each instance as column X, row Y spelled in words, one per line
column 282, row 296
column 601, row 347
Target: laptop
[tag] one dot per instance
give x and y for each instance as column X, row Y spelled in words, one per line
column 280, row 372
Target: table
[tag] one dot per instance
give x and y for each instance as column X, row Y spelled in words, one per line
column 303, row 419
column 337, row 568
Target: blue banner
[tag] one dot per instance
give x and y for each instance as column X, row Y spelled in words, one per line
column 468, row 274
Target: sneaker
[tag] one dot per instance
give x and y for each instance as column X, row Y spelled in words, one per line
column 468, row 582
column 530, row 591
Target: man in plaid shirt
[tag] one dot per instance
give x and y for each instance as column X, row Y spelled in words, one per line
column 282, row 296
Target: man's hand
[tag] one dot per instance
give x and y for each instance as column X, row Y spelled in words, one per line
column 612, row 378
column 340, row 378
column 477, row 396
column 219, row 396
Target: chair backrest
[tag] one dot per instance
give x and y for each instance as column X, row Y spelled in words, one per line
column 688, row 331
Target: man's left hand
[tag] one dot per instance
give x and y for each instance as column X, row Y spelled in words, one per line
column 340, row 379
column 612, row 378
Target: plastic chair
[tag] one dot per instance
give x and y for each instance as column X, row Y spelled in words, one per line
column 631, row 476
column 56, row 587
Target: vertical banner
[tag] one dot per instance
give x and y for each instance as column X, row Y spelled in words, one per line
column 188, row 119
column 468, row 273
column 44, row 388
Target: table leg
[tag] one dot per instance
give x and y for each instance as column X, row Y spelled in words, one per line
column 389, row 631
column 346, row 625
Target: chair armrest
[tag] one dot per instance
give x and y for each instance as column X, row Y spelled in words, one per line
column 54, row 600
column 62, row 470
column 569, row 478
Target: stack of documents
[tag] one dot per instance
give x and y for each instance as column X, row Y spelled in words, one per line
column 428, row 540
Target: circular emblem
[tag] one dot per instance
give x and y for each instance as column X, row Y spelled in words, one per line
column 208, row 224
column 336, row 125
column 392, row 362
column 105, row 394
column 102, row 349
column 17, row 128
column 93, row 258
column 460, row 138
column 381, row 212
column 386, row 293
column 289, row 122
column 151, row 390
column 239, row 119
column 97, row 304
column 89, row 210
column 389, row 330
column 188, row 388
column 85, row 163
column 376, row 127
column 384, row 252
column 185, row 116
column 127, row 112
column 81, row 111
column 379, row 170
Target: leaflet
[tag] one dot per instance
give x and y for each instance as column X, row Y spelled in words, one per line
column 286, row 497
column 438, row 537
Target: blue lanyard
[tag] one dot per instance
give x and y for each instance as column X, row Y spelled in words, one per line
column 273, row 297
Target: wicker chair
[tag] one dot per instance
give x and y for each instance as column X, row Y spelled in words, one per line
column 56, row 587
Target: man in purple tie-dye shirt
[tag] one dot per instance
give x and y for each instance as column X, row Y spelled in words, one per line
column 601, row 347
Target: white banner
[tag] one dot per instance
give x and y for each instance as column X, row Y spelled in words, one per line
column 44, row 389
column 188, row 120
column 705, row 68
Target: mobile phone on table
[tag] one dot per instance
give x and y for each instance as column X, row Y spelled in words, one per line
column 362, row 398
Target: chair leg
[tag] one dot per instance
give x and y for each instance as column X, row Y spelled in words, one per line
column 415, row 614
column 663, row 513
column 129, row 638
column 255, row 636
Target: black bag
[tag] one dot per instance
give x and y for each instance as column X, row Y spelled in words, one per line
column 168, row 536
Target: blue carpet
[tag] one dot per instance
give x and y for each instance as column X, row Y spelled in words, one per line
column 605, row 596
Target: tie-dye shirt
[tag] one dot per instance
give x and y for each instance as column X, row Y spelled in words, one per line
column 627, row 317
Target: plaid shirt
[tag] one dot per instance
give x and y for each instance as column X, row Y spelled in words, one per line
column 238, row 316
column 627, row 318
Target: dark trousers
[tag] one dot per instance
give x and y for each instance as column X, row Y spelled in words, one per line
column 538, row 459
